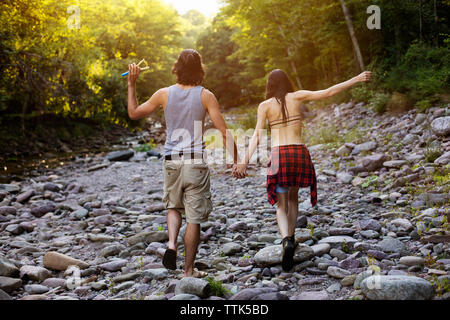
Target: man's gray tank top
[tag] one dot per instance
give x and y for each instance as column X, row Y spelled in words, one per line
column 185, row 119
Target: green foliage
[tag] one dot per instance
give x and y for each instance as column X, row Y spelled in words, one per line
column 47, row 68
column 423, row 72
column 217, row 288
column 423, row 105
column 145, row 147
column 431, row 154
column 379, row 102
column 370, row 181
column 362, row 94
column 323, row 135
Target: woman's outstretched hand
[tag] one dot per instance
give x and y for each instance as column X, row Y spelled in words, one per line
column 365, row 76
column 239, row 171
column 134, row 73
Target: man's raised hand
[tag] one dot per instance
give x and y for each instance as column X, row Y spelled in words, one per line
column 134, row 73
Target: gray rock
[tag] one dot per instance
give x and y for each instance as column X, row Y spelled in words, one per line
column 123, row 286
column 184, row 296
column 271, row 296
column 420, row 118
column 341, row 231
column 36, row 289
column 271, row 255
column 126, row 277
column 343, row 151
column 395, row 163
column 248, row 294
column 412, row 261
column 24, row 197
column 320, row 249
column 54, row 282
column 40, row 211
column 112, row 250
column 374, row 162
column 14, row 229
column 238, row 226
column 157, row 274
column 231, row 248
column 360, row 277
column 311, row 295
column 114, row 265
column 336, row 253
column 367, row 146
column 120, row 155
column 338, row 241
column 105, row 220
column 5, row 211
column 80, row 214
column 148, row 237
column 7, row 268
column 194, row 286
column 392, row 245
column 403, row 224
column 34, row 273
column 397, row 288
column 410, row 139
column 9, row 284
column 441, row 126
column 369, row 234
column 335, row 287
column 337, row 273
column 4, row 296
column 345, row 177
column 370, row 224
column 10, row 188
column 444, row 159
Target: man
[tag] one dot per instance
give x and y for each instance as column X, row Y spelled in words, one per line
column 186, row 176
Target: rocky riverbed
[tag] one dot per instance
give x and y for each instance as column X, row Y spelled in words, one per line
column 95, row 228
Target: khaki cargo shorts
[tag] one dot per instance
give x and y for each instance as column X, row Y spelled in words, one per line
column 187, row 189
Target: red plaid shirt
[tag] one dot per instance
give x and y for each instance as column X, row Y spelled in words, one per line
column 291, row 166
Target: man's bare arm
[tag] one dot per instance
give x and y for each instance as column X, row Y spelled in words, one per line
column 212, row 107
column 136, row 112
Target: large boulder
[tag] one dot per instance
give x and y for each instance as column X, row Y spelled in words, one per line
column 272, row 255
column 194, row 286
column 60, row 262
column 441, row 126
column 397, row 287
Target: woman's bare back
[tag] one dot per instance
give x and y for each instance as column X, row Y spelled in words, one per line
column 285, row 132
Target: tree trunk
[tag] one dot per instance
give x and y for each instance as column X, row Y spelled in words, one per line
column 351, row 30
column 420, row 21
column 288, row 51
column 436, row 24
column 398, row 43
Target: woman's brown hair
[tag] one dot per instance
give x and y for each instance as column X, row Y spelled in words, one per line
column 189, row 68
column 278, row 86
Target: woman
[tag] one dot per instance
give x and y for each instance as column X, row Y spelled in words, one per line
column 290, row 166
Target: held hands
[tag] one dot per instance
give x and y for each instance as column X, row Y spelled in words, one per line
column 365, row 76
column 135, row 71
column 239, row 171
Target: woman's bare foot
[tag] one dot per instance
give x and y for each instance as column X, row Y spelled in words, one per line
column 196, row 274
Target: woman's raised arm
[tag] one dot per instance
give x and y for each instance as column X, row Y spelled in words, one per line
column 334, row 90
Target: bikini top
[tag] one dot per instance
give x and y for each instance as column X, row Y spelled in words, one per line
column 286, row 122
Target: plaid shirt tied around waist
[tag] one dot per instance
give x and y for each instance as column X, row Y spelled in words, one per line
column 291, row 166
